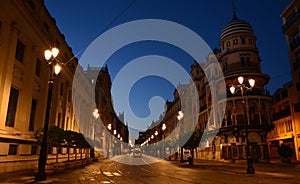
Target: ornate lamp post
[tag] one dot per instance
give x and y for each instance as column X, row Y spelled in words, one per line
column 242, row 88
column 54, row 67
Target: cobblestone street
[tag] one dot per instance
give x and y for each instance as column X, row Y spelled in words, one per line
column 107, row 171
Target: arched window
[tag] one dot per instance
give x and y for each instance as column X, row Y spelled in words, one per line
column 228, row 43
column 250, row 41
column 248, row 61
column 243, row 64
column 264, row 114
column 229, row 118
column 243, row 40
column 240, row 114
column 253, row 116
column 235, row 41
column 228, row 114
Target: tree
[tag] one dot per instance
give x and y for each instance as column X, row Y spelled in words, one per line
column 81, row 143
column 192, row 141
column 55, row 137
column 70, row 138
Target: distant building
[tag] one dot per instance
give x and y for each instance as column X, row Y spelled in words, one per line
column 238, row 56
column 112, row 141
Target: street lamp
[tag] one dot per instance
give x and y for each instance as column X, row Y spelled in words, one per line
column 96, row 116
column 54, row 67
column 242, row 88
column 163, row 129
column 179, row 117
column 119, row 150
column 108, row 143
column 114, row 141
column 156, row 144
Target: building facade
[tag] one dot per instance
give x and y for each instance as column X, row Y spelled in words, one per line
column 26, row 31
column 287, row 99
column 283, row 121
column 239, row 56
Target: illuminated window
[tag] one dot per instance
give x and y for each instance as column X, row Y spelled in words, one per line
column 227, row 43
column 235, row 41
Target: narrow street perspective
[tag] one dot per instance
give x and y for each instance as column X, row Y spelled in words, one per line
column 149, row 92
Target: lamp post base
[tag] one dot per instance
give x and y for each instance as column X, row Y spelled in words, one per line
column 250, row 170
column 40, row 176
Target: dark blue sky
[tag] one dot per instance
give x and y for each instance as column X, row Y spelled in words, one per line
column 83, row 21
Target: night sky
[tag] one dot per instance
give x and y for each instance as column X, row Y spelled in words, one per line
column 83, row 21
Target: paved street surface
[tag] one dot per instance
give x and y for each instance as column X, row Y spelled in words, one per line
column 165, row 172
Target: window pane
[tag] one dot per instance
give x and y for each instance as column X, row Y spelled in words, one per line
column 243, row 40
column 13, row 149
column 32, row 115
column 243, row 61
column 61, row 88
column 235, row 41
column 12, row 107
column 33, row 150
column 0, row 28
column 38, row 67
column 20, row 51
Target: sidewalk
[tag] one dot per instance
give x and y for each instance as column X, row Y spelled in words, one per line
column 66, row 175
column 272, row 168
column 239, row 164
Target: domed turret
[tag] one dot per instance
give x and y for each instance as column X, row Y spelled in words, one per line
column 236, row 26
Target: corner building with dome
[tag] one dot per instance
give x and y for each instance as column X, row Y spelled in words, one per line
column 238, row 56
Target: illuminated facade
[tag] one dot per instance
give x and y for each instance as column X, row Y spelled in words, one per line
column 286, row 106
column 239, row 56
column 26, row 30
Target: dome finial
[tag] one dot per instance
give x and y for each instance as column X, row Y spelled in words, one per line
column 234, row 10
